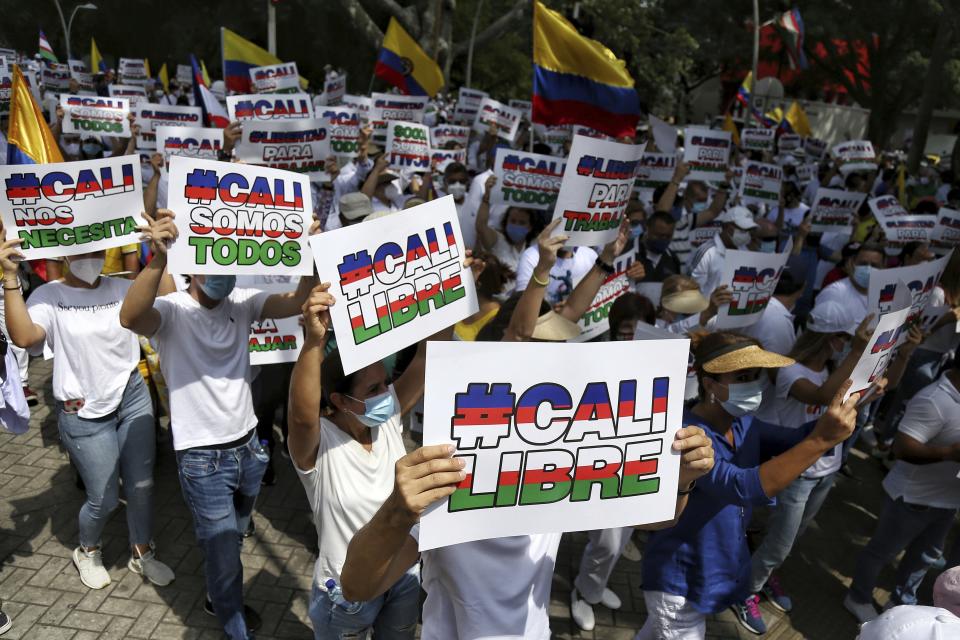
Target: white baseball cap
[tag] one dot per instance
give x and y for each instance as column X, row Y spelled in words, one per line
column 832, row 317
column 739, row 216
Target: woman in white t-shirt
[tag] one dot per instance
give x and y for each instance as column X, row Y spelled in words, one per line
column 345, row 454
column 104, row 410
column 517, row 229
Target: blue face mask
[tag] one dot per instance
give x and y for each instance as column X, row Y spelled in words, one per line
column 218, row 287
column 744, row 397
column 377, row 409
column 699, row 207
column 861, row 275
column 517, row 233
column 768, row 246
column 92, row 149
column 636, row 229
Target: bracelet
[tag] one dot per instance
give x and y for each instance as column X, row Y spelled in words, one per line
column 684, row 492
column 603, row 266
column 542, row 283
column 17, row 288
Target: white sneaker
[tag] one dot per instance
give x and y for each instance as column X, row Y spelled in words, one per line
column 152, row 569
column 582, row 612
column 863, row 612
column 631, row 552
column 90, row 566
column 610, row 600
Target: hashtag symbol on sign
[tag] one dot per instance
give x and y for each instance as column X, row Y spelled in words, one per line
column 482, row 415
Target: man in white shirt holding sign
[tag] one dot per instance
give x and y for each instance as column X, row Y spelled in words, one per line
column 202, row 336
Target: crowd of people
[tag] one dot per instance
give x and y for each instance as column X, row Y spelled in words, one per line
column 765, row 425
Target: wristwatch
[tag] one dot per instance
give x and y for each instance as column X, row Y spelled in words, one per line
column 603, row 266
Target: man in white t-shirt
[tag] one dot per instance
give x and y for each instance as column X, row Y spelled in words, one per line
column 775, row 329
column 496, row 588
column 706, row 266
column 923, row 495
column 852, row 290
column 202, row 336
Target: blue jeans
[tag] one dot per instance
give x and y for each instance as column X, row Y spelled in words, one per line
column 796, row 507
column 121, row 445
column 220, row 487
column 921, row 530
column 392, row 616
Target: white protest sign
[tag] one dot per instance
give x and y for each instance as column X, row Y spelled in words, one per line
column 273, row 340
column 931, row 314
column 595, row 319
column 56, row 77
column 440, row 158
column 833, row 210
column 920, row 280
column 300, row 144
column 707, row 153
column 705, row 234
column 334, row 88
column 788, row 142
column 343, row 125
column 269, row 106
column 655, row 170
column 899, row 225
column 664, row 134
column 468, row 103
column 506, row 118
column 876, row 357
column 443, row 134
column 757, row 139
column 133, row 71
column 590, row 132
column 551, row 447
column 239, row 219
column 66, row 208
column 760, row 183
column 528, row 180
column 6, row 85
column 95, row 115
column 387, row 106
column 855, row 155
column 131, row 92
column 752, row 277
column 595, row 190
column 192, row 142
column 397, row 280
column 184, row 74
column 275, row 77
column 814, row 147
column 150, row 116
column 362, row 104
column 408, row 146
column 523, row 106
column 806, row 172
column 946, row 233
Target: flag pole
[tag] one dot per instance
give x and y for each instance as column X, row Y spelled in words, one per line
column 756, row 56
column 271, row 27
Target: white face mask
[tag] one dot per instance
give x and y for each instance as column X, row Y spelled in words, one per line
column 72, row 149
column 87, row 269
column 457, row 189
column 740, row 238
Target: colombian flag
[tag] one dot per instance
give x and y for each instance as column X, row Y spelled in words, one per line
column 579, row 81
column 29, row 140
column 797, row 120
column 97, row 65
column 214, row 115
column 239, row 56
column 46, row 51
column 403, row 64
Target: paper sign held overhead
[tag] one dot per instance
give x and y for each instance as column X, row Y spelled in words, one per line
column 664, row 135
column 752, row 277
column 132, row 93
column 299, row 144
column 833, row 210
column 855, row 155
column 891, row 329
column 918, row 281
column 899, row 225
column 655, row 170
column 527, row 180
column 443, row 134
column 343, row 125
column 150, row 116
column 269, row 106
column 760, row 184
column 95, row 115
column 275, row 77
column 192, row 142
column 757, row 139
column 707, row 152
column 946, row 233
column 506, row 118
column 387, row 106
column 408, row 146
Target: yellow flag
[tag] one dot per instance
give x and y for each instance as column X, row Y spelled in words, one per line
column 203, row 72
column 29, row 140
column 731, row 126
column 797, row 118
column 97, row 65
column 164, row 78
column 405, row 65
column 146, row 67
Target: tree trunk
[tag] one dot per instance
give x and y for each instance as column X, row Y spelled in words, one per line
column 358, row 17
column 931, row 90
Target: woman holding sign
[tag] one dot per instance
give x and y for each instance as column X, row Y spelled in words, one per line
column 702, row 565
column 104, row 410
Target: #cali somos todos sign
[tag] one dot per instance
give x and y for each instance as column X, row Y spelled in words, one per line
column 150, row 116
column 408, row 146
column 397, row 280
column 239, row 219
column 444, row 133
column 760, row 183
column 67, row 208
column 95, row 115
column 192, row 142
column 275, row 77
column 269, row 106
column 528, row 180
column 595, row 190
column 343, row 125
column 273, row 340
column 707, row 153
column 551, row 447
column 507, row 118
column 752, row 277
column 300, row 144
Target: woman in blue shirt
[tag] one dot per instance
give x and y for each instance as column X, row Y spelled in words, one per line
column 702, row 565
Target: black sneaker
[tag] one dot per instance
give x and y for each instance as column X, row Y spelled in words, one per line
column 250, row 530
column 5, row 623
column 252, row 617
column 30, row 396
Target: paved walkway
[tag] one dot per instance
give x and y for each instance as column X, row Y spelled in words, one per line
column 43, row 594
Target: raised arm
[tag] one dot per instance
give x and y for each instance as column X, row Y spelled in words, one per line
column 669, row 197
column 284, row 305
column 719, row 201
column 21, row 329
column 370, row 184
column 137, row 312
column 808, row 393
column 151, row 190
column 525, row 314
column 487, row 236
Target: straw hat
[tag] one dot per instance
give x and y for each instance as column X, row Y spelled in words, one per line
column 552, row 327
column 743, row 355
column 685, row 302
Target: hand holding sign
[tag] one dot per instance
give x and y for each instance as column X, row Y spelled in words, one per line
column 316, row 313
column 160, row 231
column 423, row 477
column 840, row 419
column 696, row 454
column 10, row 254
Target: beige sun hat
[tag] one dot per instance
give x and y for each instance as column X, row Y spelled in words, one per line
column 552, row 327
column 685, row 302
column 743, row 355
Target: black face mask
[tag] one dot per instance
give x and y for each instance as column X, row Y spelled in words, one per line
column 657, row 245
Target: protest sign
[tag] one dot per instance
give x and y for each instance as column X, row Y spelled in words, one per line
column 590, row 132
column 595, row 190
column 132, row 93
column 899, row 225
column 66, row 208
column 554, row 136
column 396, row 279
column 704, row 234
column 806, row 172
column 440, row 158
column 408, row 146
column 946, row 233
column 334, row 88
column 95, row 115
column 6, row 85
column 150, row 116
column 528, row 180
column 343, row 126
column 664, row 135
column 595, row 320
column 273, row 78
column 707, row 153
column 833, row 210
column 655, row 170
column 269, row 106
column 443, row 134
column 184, row 74
column 362, row 104
column 387, row 106
column 760, row 184
column 891, row 328
column 788, row 142
column 133, row 71
column 855, row 155
column 192, row 142
column 918, row 280
column 468, row 103
column 931, row 315
column 239, row 219
column 548, row 446
column 757, row 139
column 752, row 277
column 56, row 77
column 525, row 107
column 506, row 118
column 273, row 340
column 814, row 147
column 300, row 144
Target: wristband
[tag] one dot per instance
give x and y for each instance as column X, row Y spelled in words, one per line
column 542, row 283
column 684, row 492
column 603, row 266
column 6, row 288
